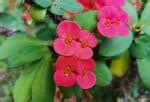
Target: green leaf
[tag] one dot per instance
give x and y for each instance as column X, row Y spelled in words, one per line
column 22, row 87
column 129, row 1
column 115, row 46
column 145, row 15
column 87, row 24
column 2, row 38
column 18, row 2
column 55, row 9
column 1, row 7
column 146, row 30
column 37, row 13
column 43, row 3
column 140, row 49
column 46, row 34
column 27, row 55
column 3, row 65
column 4, row 6
column 70, row 91
column 131, row 11
column 103, row 74
column 11, row 22
column 43, row 87
column 18, row 42
column 70, row 5
column 35, row 83
column 144, row 70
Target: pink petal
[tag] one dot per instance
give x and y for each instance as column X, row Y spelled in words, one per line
column 117, row 3
column 62, row 48
column 87, row 81
column 99, row 4
column 88, row 65
column 62, row 80
column 108, row 12
column 124, row 17
column 68, row 28
column 83, row 53
column 123, row 29
column 89, row 37
column 108, row 32
column 69, row 61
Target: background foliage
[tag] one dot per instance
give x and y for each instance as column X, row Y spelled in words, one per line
column 27, row 56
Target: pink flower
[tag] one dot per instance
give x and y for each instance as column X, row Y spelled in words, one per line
column 117, row 3
column 113, row 22
column 74, row 41
column 87, row 4
column 65, row 71
column 69, row 70
column 86, row 41
column 68, row 32
column 86, row 78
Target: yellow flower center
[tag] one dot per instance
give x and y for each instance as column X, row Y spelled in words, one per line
column 84, row 72
column 68, row 39
column 67, row 71
column 107, row 23
column 84, row 44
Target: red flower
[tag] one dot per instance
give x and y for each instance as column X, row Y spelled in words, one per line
column 68, row 32
column 87, row 4
column 87, row 41
column 86, row 78
column 70, row 70
column 65, row 71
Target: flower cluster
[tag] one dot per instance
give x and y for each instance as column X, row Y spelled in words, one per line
column 75, row 49
column 112, row 19
column 71, row 70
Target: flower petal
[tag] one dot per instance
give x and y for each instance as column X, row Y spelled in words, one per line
column 103, row 3
column 83, row 53
column 123, row 16
column 87, row 4
column 87, row 65
column 117, row 3
column 69, row 61
column 123, row 29
column 87, row 81
column 62, row 80
column 62, row 48
column 87, row 36
column 68, row 28
column 108, row 12
column 108, row 32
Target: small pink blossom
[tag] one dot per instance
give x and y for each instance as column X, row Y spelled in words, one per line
column 86, row 41
column 68, row 32
column 113, row 22
column 117, row 3
column 86, row 78
column 65, row 71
